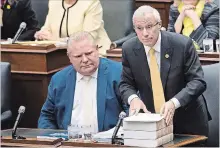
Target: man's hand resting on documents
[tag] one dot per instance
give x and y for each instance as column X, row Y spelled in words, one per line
column 135, row 106
column 167, row 111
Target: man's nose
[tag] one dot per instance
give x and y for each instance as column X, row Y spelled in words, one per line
column 145, row 32
column 84, row 58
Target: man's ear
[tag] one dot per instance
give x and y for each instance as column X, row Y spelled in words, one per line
column 160, row 24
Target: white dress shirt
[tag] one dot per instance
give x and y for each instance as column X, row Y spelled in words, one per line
column 157, row 48
column 84, row 110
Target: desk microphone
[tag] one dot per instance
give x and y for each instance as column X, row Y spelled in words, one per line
column 21, row 111
column 18, row 33
column 122, row 115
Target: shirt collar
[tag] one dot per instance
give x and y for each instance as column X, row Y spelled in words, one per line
column 156, row 46
column 80, row 76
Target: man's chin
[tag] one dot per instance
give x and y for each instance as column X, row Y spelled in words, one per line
column 87, row 71
column 147, row 44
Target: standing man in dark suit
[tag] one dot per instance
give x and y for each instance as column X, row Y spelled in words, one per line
column 164, row 69
column 12, row 14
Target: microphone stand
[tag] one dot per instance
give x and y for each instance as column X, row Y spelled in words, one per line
column 14, row 135
column 115, row 139
column 17, row 121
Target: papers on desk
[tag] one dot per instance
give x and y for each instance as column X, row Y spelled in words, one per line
column 9, row 41
column 53, row 136
column 144, row 117
column 149, row 143
column 36, row 43
column 106, row 136
column 144, row 122
column 146, row 130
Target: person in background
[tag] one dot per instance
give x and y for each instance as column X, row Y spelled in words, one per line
column 85, row 93
column 162, row 74
column 196, row 19
column 12, row 14
column 66, row 17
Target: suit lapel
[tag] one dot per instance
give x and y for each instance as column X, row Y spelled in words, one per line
column 165, row 58
column 70, row 85
column 101, row 92
column 142, row 62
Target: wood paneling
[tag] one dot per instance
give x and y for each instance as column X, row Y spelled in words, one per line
column 205, row 58
column 32, row 68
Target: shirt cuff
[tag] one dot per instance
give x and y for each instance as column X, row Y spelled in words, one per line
column 176, row 102
column 131, row 98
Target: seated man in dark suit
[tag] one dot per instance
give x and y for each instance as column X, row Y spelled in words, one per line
column 85, row 93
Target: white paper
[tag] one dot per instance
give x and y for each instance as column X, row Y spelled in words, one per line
column 144, row 117
column 149, row 143
column 108, row 134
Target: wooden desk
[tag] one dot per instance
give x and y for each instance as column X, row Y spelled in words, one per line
column 205, row 58
column 32, row 141
column 209, row 58
column 31, row 68
column 163, row 6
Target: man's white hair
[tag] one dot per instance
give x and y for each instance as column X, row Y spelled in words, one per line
column 143, row 10
column 79, row 36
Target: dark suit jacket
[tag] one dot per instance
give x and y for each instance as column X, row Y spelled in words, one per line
column 12, row 18
column 56, row 112
column 181, row 75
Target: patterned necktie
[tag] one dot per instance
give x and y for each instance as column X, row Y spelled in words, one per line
column 157, row 88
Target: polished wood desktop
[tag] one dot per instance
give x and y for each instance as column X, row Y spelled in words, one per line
column 205, row 58
column 32, row 141
column 31, row 69
column 209, row 58
column 163, row 6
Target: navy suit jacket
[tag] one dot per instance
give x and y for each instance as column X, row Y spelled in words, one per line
column 56, row 112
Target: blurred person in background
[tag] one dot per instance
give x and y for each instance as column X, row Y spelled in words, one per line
column 197, row 19
column 12, row 14
column 66, row 17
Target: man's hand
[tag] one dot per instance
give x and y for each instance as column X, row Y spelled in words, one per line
column 167, row 111
column 135, row 106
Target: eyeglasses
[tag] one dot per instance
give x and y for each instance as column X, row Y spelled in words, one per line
column 149, row 27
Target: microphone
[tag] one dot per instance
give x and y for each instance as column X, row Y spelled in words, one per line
column 21, row 111
column 122, row 115
column 20, row 30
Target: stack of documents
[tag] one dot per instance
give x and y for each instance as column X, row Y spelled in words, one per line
column 146, row 130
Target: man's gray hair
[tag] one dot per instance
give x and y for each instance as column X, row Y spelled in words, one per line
column 143, row 10
column 79, row 36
